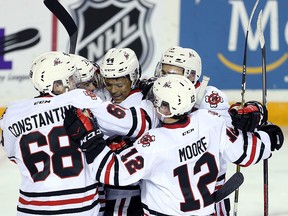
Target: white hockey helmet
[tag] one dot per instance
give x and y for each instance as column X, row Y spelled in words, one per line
column 120, row 63
column 175, row 91
column 87, row 71
column 50, row 67
column 185, row 58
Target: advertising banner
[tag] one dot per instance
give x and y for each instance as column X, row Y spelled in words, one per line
column 217, row 29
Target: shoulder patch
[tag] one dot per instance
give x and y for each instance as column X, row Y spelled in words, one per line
column 146, row 139
column 214, row 99
column 90, row 94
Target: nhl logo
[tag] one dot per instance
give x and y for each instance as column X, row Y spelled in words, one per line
column 105, row 24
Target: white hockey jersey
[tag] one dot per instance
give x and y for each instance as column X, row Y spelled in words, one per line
column 215, row 100
column 126, row 200
column 178, row 164
column 55, row 179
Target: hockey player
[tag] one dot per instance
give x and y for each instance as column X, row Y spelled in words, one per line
column 187, row 62
column 121, row 72
column 178, row 162
column 89, row 78
column 54, row 173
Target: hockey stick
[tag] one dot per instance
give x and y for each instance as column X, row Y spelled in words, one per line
column 201, row 91
column 264, row 97
column 61, row 13
column 243, row 88
column 243, row 85
column 234, row 182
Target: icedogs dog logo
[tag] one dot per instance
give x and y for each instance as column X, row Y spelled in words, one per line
column 104, row 24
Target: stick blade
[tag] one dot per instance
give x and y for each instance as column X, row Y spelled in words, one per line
column 252, row 14
column 233, row 183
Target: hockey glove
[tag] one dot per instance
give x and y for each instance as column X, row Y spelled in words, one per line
column 249, row 117
column 117, row 144
column 276, row 135
column 82, row 128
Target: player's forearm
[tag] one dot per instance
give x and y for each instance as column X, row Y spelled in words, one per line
column 115, row 169
column 248, row 148
column 116, row 120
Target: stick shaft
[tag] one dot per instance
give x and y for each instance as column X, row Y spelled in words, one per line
column 243, row 89
column 264, row 98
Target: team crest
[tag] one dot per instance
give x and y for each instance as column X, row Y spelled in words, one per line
column 104, row 24
column 213, row 99
column 146, row 140
column 90, row 94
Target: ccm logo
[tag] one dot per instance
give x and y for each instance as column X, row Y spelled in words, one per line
column 88, row 137
column 187, row 132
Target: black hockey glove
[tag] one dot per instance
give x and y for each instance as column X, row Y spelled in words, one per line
column 249, row 117
column 82, row 128
column 145, row 85
column 276, row 135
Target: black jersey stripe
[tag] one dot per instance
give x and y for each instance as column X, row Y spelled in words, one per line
column 262, row 148
column 220, row 178
column 245, row 147
column 135, row 122
column 116, row 172
column 102, row 165
column 148, row 119
column 59, row 193
column 152, row 212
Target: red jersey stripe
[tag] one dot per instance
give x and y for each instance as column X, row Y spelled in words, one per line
column 57, row 202
column 107, row 173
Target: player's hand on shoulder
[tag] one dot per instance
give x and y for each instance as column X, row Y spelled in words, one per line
column 275, row 133
column 249, row 117
column 82, row 127
column 117, row 144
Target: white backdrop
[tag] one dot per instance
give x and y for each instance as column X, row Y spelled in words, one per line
column 16, row 15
